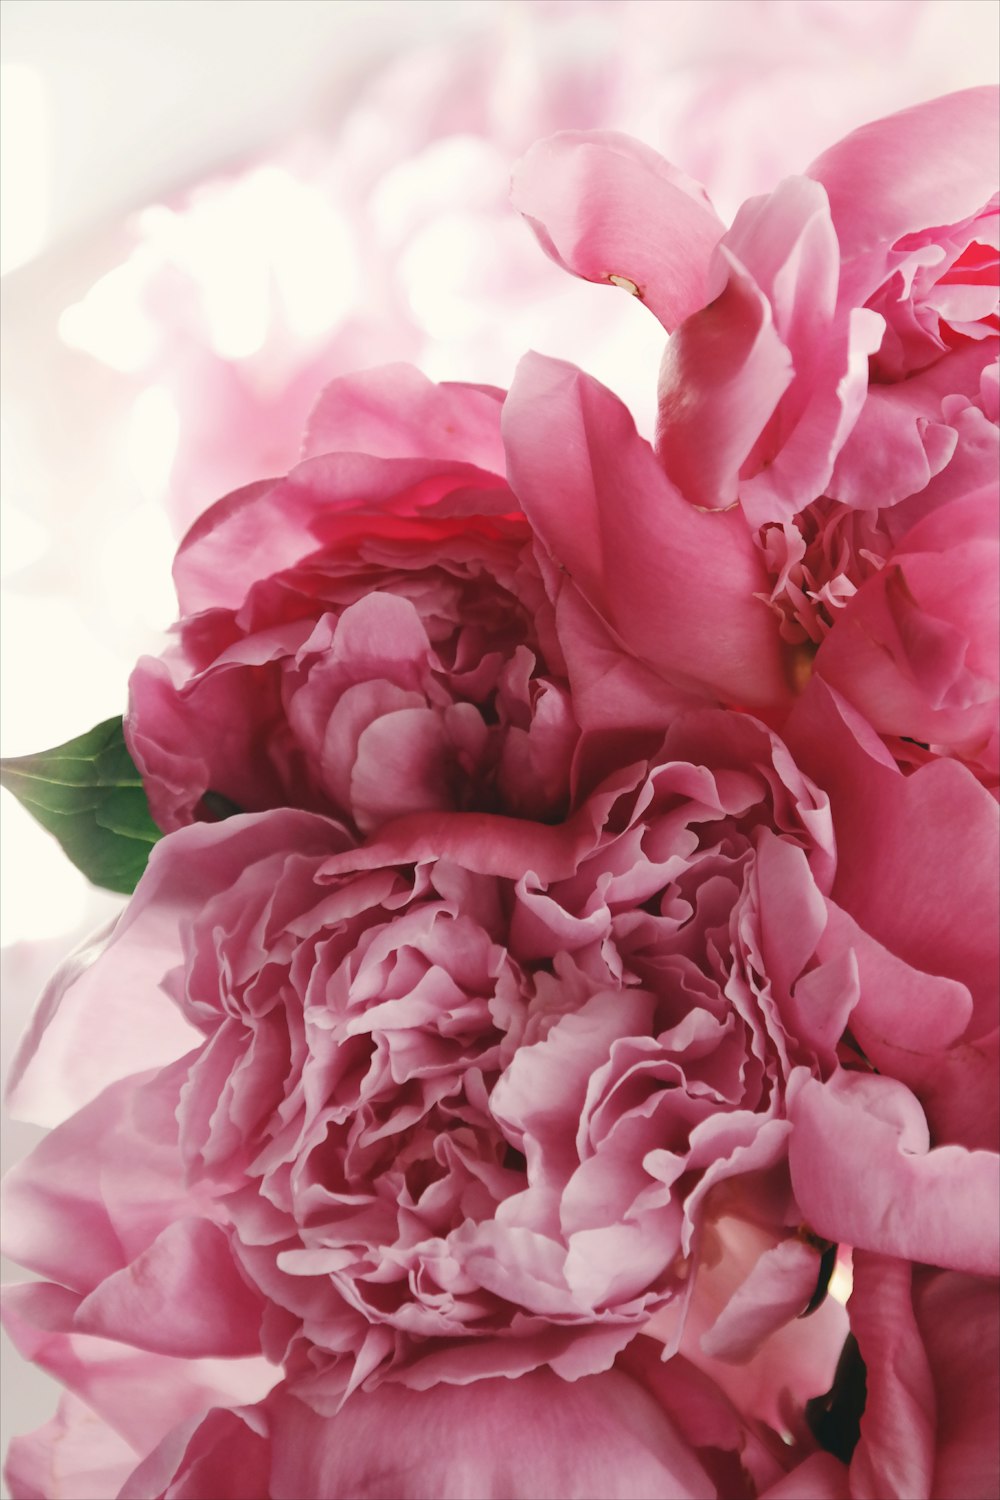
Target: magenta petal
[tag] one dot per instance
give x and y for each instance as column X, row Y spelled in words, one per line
column 637, row 552
column 605, row 206
column 863, row 1175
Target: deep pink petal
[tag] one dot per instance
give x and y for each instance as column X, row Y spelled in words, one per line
column 818, row 1477
column 225, row 1455
column 637, row 552
column 258, row 531
column 895, row 1455
column 721, row 378
column 959, row 1320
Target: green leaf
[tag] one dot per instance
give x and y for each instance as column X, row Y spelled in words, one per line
column 90, row 795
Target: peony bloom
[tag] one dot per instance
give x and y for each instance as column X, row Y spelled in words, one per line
column 794, row 326
column 456, row 1100
column 829, row 386
column 370, row 636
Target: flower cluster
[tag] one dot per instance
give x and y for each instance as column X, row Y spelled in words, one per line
column 573, row 939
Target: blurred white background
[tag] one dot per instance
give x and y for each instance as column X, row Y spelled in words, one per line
column 210, row 207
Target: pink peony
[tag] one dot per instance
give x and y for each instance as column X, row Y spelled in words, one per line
column 833, row 369
column 458, row 1101
column 884, row 249
column 370, row 636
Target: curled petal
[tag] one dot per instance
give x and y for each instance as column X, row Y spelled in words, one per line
column 863, row 1175
column 611, row 210
column 636, row 551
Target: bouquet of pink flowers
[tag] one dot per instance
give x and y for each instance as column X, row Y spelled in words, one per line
column 551, row 1046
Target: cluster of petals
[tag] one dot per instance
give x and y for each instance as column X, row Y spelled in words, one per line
column 381, row 643
column 831, row 383
column 575, row 927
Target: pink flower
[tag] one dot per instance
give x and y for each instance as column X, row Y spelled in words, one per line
column 885, row 249
column 370, row 636
column 832, row 368
column 459, row 1100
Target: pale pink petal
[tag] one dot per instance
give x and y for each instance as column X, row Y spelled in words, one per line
column 863, row 1175
column 118, row 998
column 56, row 1069
column 777, row 1290
column 396, row 412
column 182, row 1296
column 75, row 1456
column 141, row 1396
column 605, row 206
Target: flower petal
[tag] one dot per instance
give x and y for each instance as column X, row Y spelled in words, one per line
column 603, row 205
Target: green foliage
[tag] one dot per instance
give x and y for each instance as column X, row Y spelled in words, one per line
column 89, row 794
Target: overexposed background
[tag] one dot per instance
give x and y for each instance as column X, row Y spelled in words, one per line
column 211, row 207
